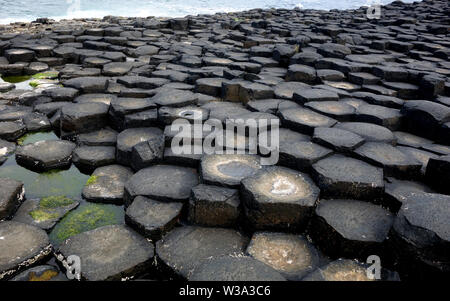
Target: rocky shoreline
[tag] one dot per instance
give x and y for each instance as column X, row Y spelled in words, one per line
column 364, row 146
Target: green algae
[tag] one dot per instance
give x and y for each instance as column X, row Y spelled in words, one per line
column 92, row 180
column 48, row 208
column 68, row 182
column 41, row 215
column 86, row 217
column 16, row 78
column 46, row 75
column 52, row 202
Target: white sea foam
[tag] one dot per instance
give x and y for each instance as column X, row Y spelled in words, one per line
column 26, row 10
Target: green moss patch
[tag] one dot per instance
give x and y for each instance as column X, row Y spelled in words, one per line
column 48, row 208
column 16, row 79
column 41, row 215
column 92, row 180
column 46, row 75
column 86, row 217
column 55, row 202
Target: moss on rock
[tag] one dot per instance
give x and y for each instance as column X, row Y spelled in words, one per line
column 87, row 217
column 55, row 202
column 92, row 180
column 46, row 75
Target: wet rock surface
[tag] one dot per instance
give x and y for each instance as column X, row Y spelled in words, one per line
column 364, row 113
column 230, row 268
column 179, row 250
column 46, row 155
column 109, row 253
column 22, row 245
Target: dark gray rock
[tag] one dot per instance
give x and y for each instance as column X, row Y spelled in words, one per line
column 344, row 177
column 151, row 218
column 234, row 268
column 103, row 137
column 304, row 120
column 370, row 132
column 22, row 246
column 228, row 170
column 128, row 138
column 351, row 228
column 438, row 173
column 88, row 84
column 106, row 184
column 174, row 98
column 12, row 130
column 307, row 95
column 88, row 158
column 278, row 198
column 162, row 182
column 145, row 154
column 393, row 161
column 44, row 213
column 214, row 206
column 109, row 253
column 420, row 235
column 12, row 193
column 45, row 155
column 178, row 251
column 291, row 255
column 83, row 118
column 337, row 139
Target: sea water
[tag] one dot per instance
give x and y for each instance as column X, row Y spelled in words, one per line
column 30, row 10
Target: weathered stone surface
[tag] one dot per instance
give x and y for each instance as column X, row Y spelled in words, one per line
column 109, row 253
column 152, row 218
column 214, row 206
column 46, row 212
column 228, row 170
column 11, row 130
column 291, row 255
column 178, row 251
column 396, row 192
column 83, row 117
column 334, row 109
column 438, row 173
column 88, row 84
column 393, row 161
column 343, row 227
column 106, row 184
column 301, row 154
column 370, row 132
column 162, row 182
column 421, row 234
column 147, row 153
column 6, row 149
column 234, row 268
column 304, row 120
column 347, row 270
column 45, row 155
column 174, row 98
column 425, row 118
column 12, row 193
column 278, row 198
column 343, row 177
column 103, row 137
column 128, row 138
column 337, row 139
column 22, row 245
column 88, row 158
